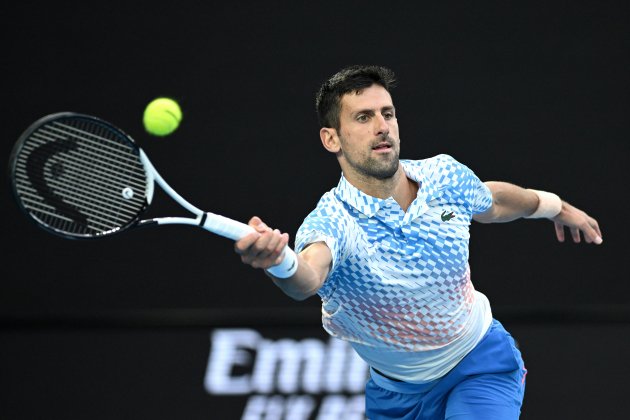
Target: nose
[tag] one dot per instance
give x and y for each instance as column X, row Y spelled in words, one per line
column 381, row 126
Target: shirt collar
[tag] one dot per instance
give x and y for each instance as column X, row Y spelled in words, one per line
column 351, row 195
column 369, row 205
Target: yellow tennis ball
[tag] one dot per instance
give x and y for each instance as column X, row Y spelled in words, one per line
column 162, row 116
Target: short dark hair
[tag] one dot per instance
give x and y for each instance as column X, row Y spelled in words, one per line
column 350, row 79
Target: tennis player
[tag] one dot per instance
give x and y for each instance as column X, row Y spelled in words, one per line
column 387, row 252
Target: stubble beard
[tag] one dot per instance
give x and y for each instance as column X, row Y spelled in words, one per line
column 381, row 169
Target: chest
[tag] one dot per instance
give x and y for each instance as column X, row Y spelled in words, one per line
column 433, row 226
column 416, row 248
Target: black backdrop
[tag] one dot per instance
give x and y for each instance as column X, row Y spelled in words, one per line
column 535, row 94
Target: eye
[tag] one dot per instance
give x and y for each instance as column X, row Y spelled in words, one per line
column 388, row 115
column 362, row 118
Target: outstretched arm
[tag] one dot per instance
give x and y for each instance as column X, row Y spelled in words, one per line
column 263, row 248
column 510, row 202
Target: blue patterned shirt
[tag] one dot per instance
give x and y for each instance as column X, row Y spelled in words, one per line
column 399, row 290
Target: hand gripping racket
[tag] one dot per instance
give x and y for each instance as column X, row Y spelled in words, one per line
column 80, row 177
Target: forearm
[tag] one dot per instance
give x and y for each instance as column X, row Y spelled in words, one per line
column 509, row 202
column 263, row 249
column 312, row 270
column 301, row 285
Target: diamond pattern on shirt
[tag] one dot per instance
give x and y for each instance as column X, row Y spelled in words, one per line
column 399, row 279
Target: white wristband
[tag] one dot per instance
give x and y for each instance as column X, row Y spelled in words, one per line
column 287, row 267
column 549, row 205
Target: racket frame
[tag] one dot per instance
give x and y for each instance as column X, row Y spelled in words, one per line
column 211, row 222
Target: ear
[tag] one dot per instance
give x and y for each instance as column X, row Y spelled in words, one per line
column 330, row 139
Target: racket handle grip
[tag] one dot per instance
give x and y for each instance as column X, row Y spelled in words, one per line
column 232, row 229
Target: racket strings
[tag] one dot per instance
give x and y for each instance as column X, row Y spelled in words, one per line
column 130, row 174
column 87, row 179
column 111, row 216
column 108, row 159
column 135, row 175
column 96, row 188
column 100, row 144
column 80, row 197
column 77, row 173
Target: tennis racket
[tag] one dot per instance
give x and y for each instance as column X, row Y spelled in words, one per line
column 80, row 177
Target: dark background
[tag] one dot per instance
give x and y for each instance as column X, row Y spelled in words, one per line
column 536, row 94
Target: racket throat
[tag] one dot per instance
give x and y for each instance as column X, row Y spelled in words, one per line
column 203, row 219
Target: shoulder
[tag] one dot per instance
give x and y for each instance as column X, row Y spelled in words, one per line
column 328, row 222
column 443, row 161
column 327, row 203
column 436, row 162
column 330, row 212
column 443, row 172
column 437, row 169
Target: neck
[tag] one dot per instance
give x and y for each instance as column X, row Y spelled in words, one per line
column 402, row 189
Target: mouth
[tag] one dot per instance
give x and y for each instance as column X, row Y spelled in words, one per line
column 382, row 147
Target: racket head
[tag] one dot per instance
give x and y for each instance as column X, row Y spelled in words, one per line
column 79, row 177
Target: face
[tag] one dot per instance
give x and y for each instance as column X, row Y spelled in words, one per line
column 367, row 143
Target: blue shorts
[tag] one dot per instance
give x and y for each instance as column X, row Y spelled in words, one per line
column 488, row 384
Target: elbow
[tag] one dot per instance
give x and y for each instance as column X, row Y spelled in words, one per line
column 295, row 292
column 300, row 296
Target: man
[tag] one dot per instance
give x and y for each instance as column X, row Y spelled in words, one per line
column 387, row 252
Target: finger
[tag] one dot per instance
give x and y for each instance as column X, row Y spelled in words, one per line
column 242, row 245
column 598, row 239
column 591, row 234
column 254, row 221
column 259, row 247
column 284, row 240
column 258, row 224
column 575, row 233
column 270, row 246
column 279, row 243
column 559, row 231
column 256, row 255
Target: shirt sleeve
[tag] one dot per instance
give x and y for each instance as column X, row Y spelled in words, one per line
column 474, row 190
column 324, row 224
column 482, row 196
column 307, row 237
